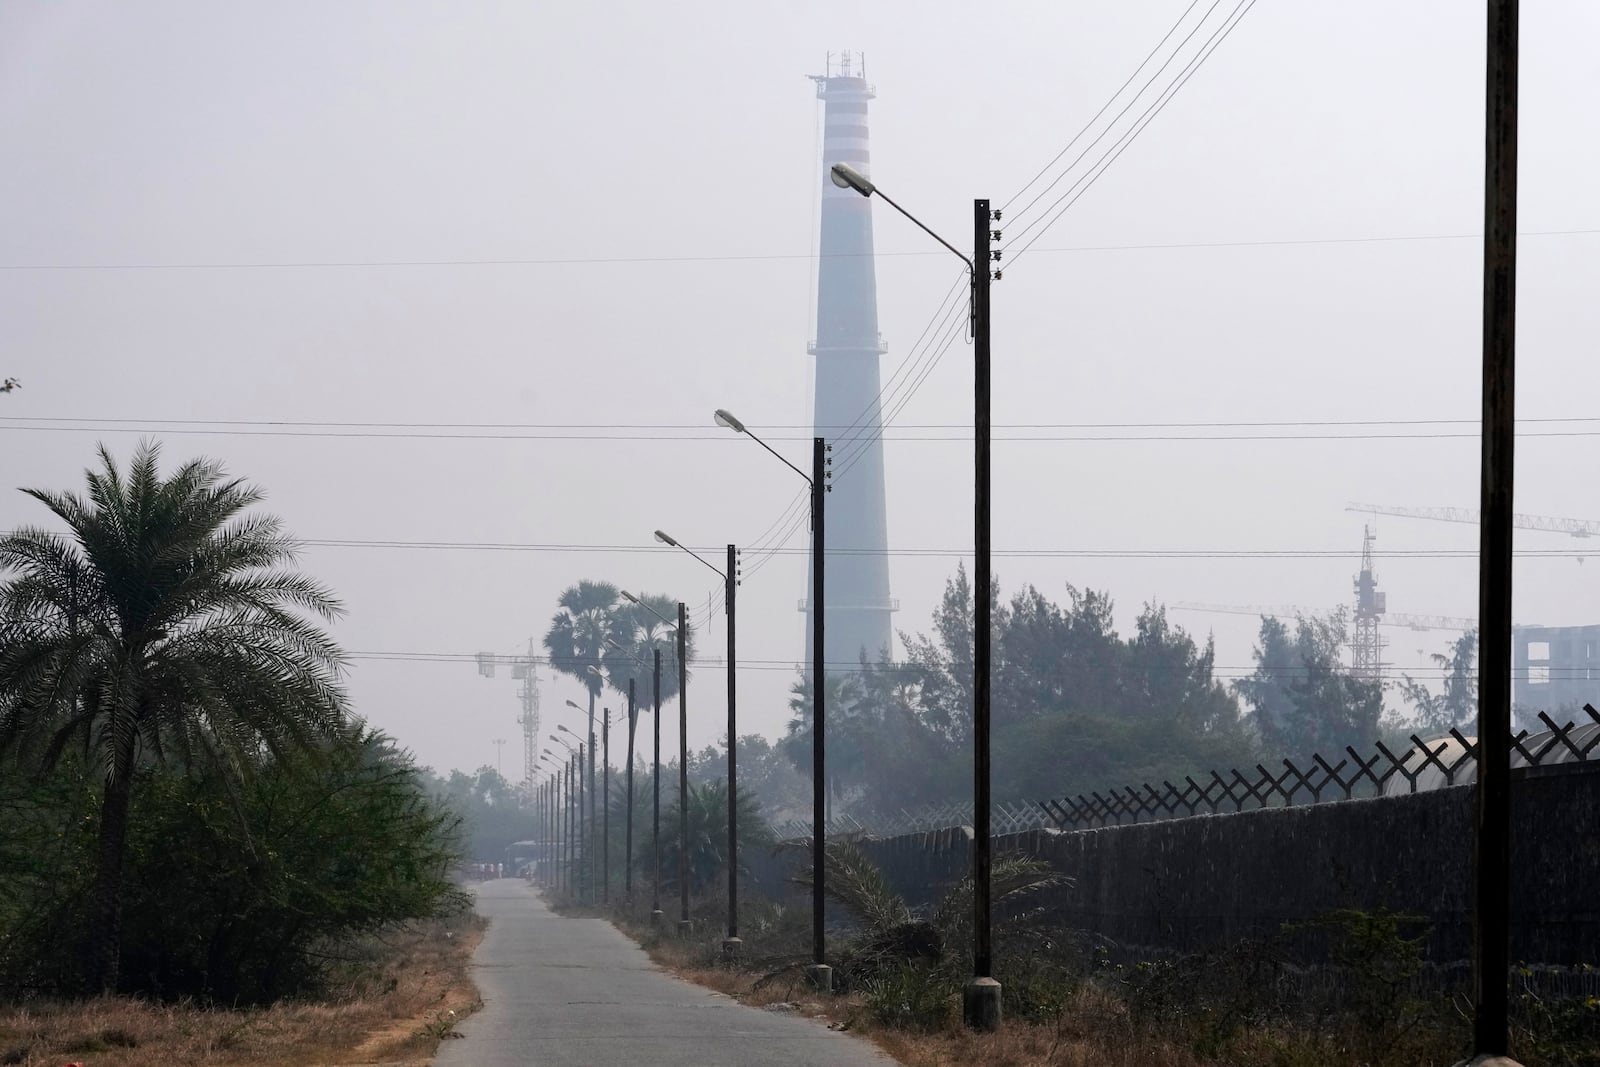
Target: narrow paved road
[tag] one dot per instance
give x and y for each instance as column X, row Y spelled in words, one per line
column 561, row 991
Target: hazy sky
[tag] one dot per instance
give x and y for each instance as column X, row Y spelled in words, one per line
column 303, row 212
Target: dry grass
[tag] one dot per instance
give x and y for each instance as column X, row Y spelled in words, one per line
column 394, row 1003
column 1093, row 1029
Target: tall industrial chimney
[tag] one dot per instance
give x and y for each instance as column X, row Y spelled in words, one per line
column 847, row 414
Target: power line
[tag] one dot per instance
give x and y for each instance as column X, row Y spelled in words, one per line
column 727, row 438
column 19, row 268
column 854, row 667
column 1103, row 107
column 1224, row 424
column 923, row 551
column 852, row 454
column 876, row 403
column 1140, row 124
column 1017, row 215
column 953, row 552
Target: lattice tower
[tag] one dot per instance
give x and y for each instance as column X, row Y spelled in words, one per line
column 1366, row 644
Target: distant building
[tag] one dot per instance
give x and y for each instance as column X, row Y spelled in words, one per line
column 1554, row 668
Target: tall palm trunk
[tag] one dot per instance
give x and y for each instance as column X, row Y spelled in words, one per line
column 105, row 947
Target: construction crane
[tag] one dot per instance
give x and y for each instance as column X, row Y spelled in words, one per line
column 1550, row 524
column 522, row 670
column 1366, row 646
column 1397, row 620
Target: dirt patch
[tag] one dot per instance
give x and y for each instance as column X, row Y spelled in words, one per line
column 395, row 998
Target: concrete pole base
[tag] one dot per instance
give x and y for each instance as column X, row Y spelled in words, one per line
column 732, row 949
column 685, row 928
column 820, row 975
column 980, row 1005
column 656, row 917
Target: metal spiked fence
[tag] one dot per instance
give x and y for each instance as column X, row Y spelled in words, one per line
column 1431, row 764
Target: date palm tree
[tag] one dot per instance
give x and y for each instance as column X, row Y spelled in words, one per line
column 162, row 625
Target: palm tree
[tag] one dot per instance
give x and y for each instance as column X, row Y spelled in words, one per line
column 588, row 617
column 163, row 625
column 641, row 630
column 708, row 832
column 893, row 931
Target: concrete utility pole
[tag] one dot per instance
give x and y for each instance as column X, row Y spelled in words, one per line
column 1492, row 860
column 633, row 723
column 655, row 784
column 605, row 813
column 820, row 973
column 981, row 1003
column 684, row 925
column 981, row 997
column 731, row 943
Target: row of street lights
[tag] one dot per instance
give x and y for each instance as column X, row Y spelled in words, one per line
column 981, row 998
column 819, row 972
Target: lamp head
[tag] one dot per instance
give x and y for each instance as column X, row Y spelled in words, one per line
column 594, row 671
column 629, row 597
column 562, row 727
column 724, row 417
column 572, row 704
column 665, row 539
column 847, row 177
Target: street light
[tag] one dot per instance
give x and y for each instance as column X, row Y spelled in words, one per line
column 573, row 705
column 575, row 845
column 820, row 974
column 655, row 777
column 540, row 790
column 684, row 926
column 559, row 770
column 636, row 602
column 731, row 944
column 981, row 998
column 575, row 831
column 563, row 729
column 605, row 809
column 633, row 724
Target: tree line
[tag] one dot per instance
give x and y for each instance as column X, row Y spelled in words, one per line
column 1076, row 705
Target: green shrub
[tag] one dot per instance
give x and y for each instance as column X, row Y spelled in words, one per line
column 910, row 997
column 236, row 891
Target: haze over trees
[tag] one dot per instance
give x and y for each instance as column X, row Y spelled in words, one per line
column 1457, row 703
column 1077, row 705
column 1304, row 698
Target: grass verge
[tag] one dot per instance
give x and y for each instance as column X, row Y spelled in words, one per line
column 1091, row 1031
column 391, row 1000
